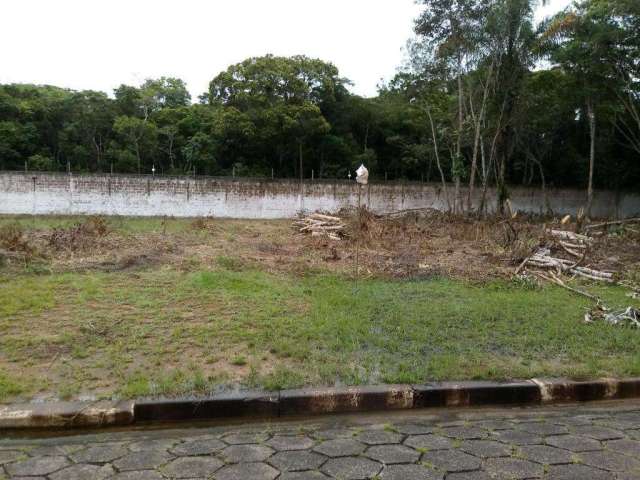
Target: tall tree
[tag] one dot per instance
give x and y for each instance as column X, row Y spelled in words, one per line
column 449, row 32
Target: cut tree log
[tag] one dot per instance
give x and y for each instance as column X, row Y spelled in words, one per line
column 319, row 225
column 596, row 226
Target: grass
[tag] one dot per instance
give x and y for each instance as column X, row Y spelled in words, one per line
column 149, row 333
column 167, row 330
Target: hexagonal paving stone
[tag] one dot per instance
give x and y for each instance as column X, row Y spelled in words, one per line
column 285, row 443
column 413, row 429
column 138, row 475
column 153, row 444
column 574, row 421
column 598, row 433
column 465, row 433
column 451, row 460
column 478, row 475
column 333, row 433
column 635, row 434
column 192, row 467
column 246, row 471
column 247, row 453
column 245, row 438
column 409, row 472
column 83, row 472
column 341, row 447
column 577, row 472
column 513, row 468
column 628, row 475
column 390, row 454
column 545, row 454
column 314, row 475
column 494, row 425
column 544, row 428
column 574, row 443
column 517, row 437
column 612, row 461
column 486, row 448
column 205, row 446
column 618, row 424
column 297, row 460
column 428, row 442
column 51, row 450
column 379, row 437
column 7, row 456
column 36, row 466
column 626, row 447
column 351, row 468
column 146, row 460
column 100, row 453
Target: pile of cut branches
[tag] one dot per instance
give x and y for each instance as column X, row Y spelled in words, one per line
column 318, row 225
column 602, row 228
column 563, row 253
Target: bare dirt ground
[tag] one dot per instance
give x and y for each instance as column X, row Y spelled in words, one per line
column 418, row 244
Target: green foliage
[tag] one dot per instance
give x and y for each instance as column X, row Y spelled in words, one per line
column 499, row 116
column 9, row 387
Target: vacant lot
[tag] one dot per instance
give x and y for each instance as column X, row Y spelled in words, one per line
column 130, row 307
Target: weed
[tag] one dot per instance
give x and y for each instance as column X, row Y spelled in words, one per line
column 239, row 361
column 9, row 387
column 230, row 263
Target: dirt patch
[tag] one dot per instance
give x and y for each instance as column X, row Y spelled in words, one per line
column 415, row 244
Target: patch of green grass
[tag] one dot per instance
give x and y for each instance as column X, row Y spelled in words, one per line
column 9, row 387
column 120, row 224
column 239, row 361
column 177, row 382
column 160, row 331
column 231, row 263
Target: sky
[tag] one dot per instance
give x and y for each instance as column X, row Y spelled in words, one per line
column 100, row 44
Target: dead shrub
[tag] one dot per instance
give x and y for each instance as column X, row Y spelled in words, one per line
column 13, row 239
column 16, row 246
column 80, row 236
column 203, row 224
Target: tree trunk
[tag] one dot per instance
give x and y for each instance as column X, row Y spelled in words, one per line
column 366, row 139
column 592, row 154
column 435, row 149
column 138, row 157
column 171, row 162
column 458, row 158
column 300, row 156
column 543, row 181
column 478, row 124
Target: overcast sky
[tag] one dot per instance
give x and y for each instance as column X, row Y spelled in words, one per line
column 99, row 44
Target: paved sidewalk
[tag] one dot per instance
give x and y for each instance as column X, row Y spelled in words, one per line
column 574, row 442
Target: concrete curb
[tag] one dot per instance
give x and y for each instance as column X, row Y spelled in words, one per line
column 66, row 414
column 315, row 402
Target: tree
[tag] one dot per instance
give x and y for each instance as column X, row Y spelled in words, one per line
column 584, row 46
column 449, row 31
column 137, row 134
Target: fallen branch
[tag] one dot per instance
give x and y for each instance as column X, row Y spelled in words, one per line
column 597, row 226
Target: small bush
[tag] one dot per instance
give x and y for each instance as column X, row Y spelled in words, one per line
column 15, row 245
column 230, row 263
column 79, row 236
column 13, row 239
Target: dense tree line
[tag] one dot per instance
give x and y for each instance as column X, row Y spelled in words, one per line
column 487, row 98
